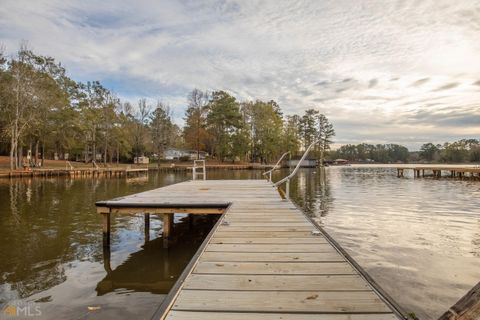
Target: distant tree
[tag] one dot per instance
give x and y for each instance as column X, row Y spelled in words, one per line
column 475, row 152
column 92, row 99
column 325, row 135
column 223, row 121
column 348, row 152
column 140, row 130
column 195, row 132
column 309, row 127
column 292, row 134
column 455, row 152
column 397, row 153
column 266, row 124
column 122, row 133
column 18, row 105
column 161, row 127
column 383, row 153
column 428, row 151
column 34, row 93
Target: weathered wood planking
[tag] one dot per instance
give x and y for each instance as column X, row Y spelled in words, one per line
column 259, row 240
column 331, row 256
column 264, row 259
column 285, row 268
column 277, row 283
column 188, row 315
column 280, row 301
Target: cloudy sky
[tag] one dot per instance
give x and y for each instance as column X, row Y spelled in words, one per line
column 383, row 71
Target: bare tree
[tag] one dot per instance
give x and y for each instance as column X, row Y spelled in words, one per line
column 140, row 131
column 161, row 128
column 195, row 117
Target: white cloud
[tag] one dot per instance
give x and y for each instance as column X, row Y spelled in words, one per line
column 370, row 65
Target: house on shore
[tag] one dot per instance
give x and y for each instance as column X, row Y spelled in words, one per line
column 306, row 163
column 341, row 162
column 177, row 154
column 141, row 160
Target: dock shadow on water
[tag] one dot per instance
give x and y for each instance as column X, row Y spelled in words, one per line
column 156, row 267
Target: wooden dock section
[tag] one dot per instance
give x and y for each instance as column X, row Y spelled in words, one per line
column 437, row 171
column 264, row 259
column 75, row 172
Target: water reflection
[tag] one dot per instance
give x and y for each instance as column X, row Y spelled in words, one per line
column 312, row 191
column 156, row 267
column 419, row 238
column 50, row 234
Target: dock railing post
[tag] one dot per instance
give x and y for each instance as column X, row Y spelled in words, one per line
column 294, row 172
column 203, row 167
column 287, row 189
column 275, row 167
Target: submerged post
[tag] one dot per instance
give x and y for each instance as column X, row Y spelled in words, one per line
column 106, row 259
column 147, row 227
column 106, row 229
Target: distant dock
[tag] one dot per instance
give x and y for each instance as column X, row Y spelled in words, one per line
column 439, row 171
column 264, row 259
column 77, row 172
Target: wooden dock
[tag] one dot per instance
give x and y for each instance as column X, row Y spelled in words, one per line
column 75, row 172
column 438, row 172
column 264, row 259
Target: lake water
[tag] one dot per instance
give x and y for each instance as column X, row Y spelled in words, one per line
column 418, row 238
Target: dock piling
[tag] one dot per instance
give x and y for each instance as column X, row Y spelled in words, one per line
column 106, row 229
column 455, row 172
column 147, row 227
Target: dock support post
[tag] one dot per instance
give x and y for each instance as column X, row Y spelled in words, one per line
column 167, row 229
column 106, row 229
column 106, row 259
column 147, row 227
column 167, row 224
column 399, row 172
column 190, row 221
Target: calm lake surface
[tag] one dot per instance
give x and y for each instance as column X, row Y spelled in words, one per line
column 419, row 239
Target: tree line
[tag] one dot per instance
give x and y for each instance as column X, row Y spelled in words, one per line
column 46, row 114
column 464, row 150
column 461, row 151
column 383, row 153
column 255, row 131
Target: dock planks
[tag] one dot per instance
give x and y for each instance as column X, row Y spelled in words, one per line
column 262, row 260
